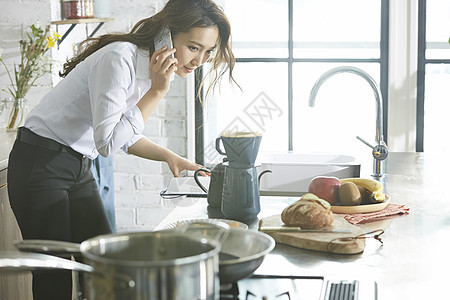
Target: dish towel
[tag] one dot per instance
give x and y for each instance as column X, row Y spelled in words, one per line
column 387, row 212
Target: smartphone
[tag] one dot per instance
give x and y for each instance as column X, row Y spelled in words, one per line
column 162, row 39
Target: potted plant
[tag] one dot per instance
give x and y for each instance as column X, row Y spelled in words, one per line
column 34, row 63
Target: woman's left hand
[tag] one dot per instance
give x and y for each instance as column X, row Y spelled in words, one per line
column 177, row 164
column 145, row 148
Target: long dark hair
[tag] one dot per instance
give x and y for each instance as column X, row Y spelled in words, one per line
column 178, row 16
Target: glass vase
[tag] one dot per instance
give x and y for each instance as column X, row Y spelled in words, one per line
column 17, row 114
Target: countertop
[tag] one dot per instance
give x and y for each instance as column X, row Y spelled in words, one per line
column 413, row 262
column 6, row 142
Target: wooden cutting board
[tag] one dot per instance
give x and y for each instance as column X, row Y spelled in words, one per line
column 318, row 241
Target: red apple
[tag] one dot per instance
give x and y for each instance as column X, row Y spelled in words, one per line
column 326, row 188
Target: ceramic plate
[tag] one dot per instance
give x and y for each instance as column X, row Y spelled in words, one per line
column 231, row 223
column 359, row 209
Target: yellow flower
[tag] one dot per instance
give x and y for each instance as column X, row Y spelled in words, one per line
column 52, row 39
column 50, row 42
column 56, row 36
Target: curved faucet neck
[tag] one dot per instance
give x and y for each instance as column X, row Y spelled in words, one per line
column 373, row 85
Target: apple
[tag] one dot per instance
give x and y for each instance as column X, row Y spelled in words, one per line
column 326, row 188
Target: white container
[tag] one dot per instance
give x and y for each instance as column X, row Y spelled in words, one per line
column 102, row 9
column 292, row 172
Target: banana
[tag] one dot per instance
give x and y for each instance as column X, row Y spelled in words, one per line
column 375, row 187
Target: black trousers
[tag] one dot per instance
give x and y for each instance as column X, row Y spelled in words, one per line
column 55, row 197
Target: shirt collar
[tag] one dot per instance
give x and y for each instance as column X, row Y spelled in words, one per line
column 142, row 64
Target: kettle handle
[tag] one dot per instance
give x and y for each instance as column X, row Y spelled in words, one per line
column 198, row 181
column 218, row 146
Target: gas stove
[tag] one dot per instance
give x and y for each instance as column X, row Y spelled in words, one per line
column 267, row 287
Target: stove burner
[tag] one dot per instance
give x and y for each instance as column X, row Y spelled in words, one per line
column 260, row 287
column 265, row 297
column 265, row 287
column 231, row 291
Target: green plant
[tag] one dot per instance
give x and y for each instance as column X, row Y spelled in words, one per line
column 34, row 63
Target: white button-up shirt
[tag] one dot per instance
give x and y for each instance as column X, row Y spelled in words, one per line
column 93, row 110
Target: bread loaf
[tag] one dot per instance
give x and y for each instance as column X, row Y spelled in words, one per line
column 310, row 212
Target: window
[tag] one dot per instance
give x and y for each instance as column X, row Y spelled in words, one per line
column 433, row 76
column 282, row 48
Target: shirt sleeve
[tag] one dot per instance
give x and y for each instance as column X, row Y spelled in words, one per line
column 131, row 142
column 115, row 121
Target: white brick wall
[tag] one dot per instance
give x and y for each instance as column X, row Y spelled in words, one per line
column 137, row 182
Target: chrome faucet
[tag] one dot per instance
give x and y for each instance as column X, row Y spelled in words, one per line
column 380, row 150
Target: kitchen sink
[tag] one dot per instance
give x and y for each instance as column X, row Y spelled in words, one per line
column 292, row 172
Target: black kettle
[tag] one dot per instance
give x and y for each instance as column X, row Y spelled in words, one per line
column 215, row 185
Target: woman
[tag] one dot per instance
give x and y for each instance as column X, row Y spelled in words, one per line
column 108, row 92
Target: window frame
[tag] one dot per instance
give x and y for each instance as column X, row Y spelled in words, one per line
column 383, row 61
column 422, row 62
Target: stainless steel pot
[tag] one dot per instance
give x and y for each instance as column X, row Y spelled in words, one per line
column 164, row 265
column 242, row 253
column 144, row 265
column 242, row 250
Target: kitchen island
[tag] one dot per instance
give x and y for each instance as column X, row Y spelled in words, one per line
column 411, row 263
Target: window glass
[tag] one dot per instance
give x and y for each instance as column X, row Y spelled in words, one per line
column 436, row 108
column 322, row 30
column 345, row 107
column 260, row 106
column 338, row 29
column 436, row 95
column 259, row 28
column 438, row 29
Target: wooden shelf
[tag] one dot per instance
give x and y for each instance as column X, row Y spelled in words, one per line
column 81, row 21
column 75, row 22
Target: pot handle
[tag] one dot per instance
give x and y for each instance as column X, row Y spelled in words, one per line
column 49, row 247
column 21, row 261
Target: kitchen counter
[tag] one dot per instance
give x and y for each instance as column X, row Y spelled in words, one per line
column 412, row 262
column 6, row 142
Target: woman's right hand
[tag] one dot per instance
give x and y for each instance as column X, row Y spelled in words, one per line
column 161, row 67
